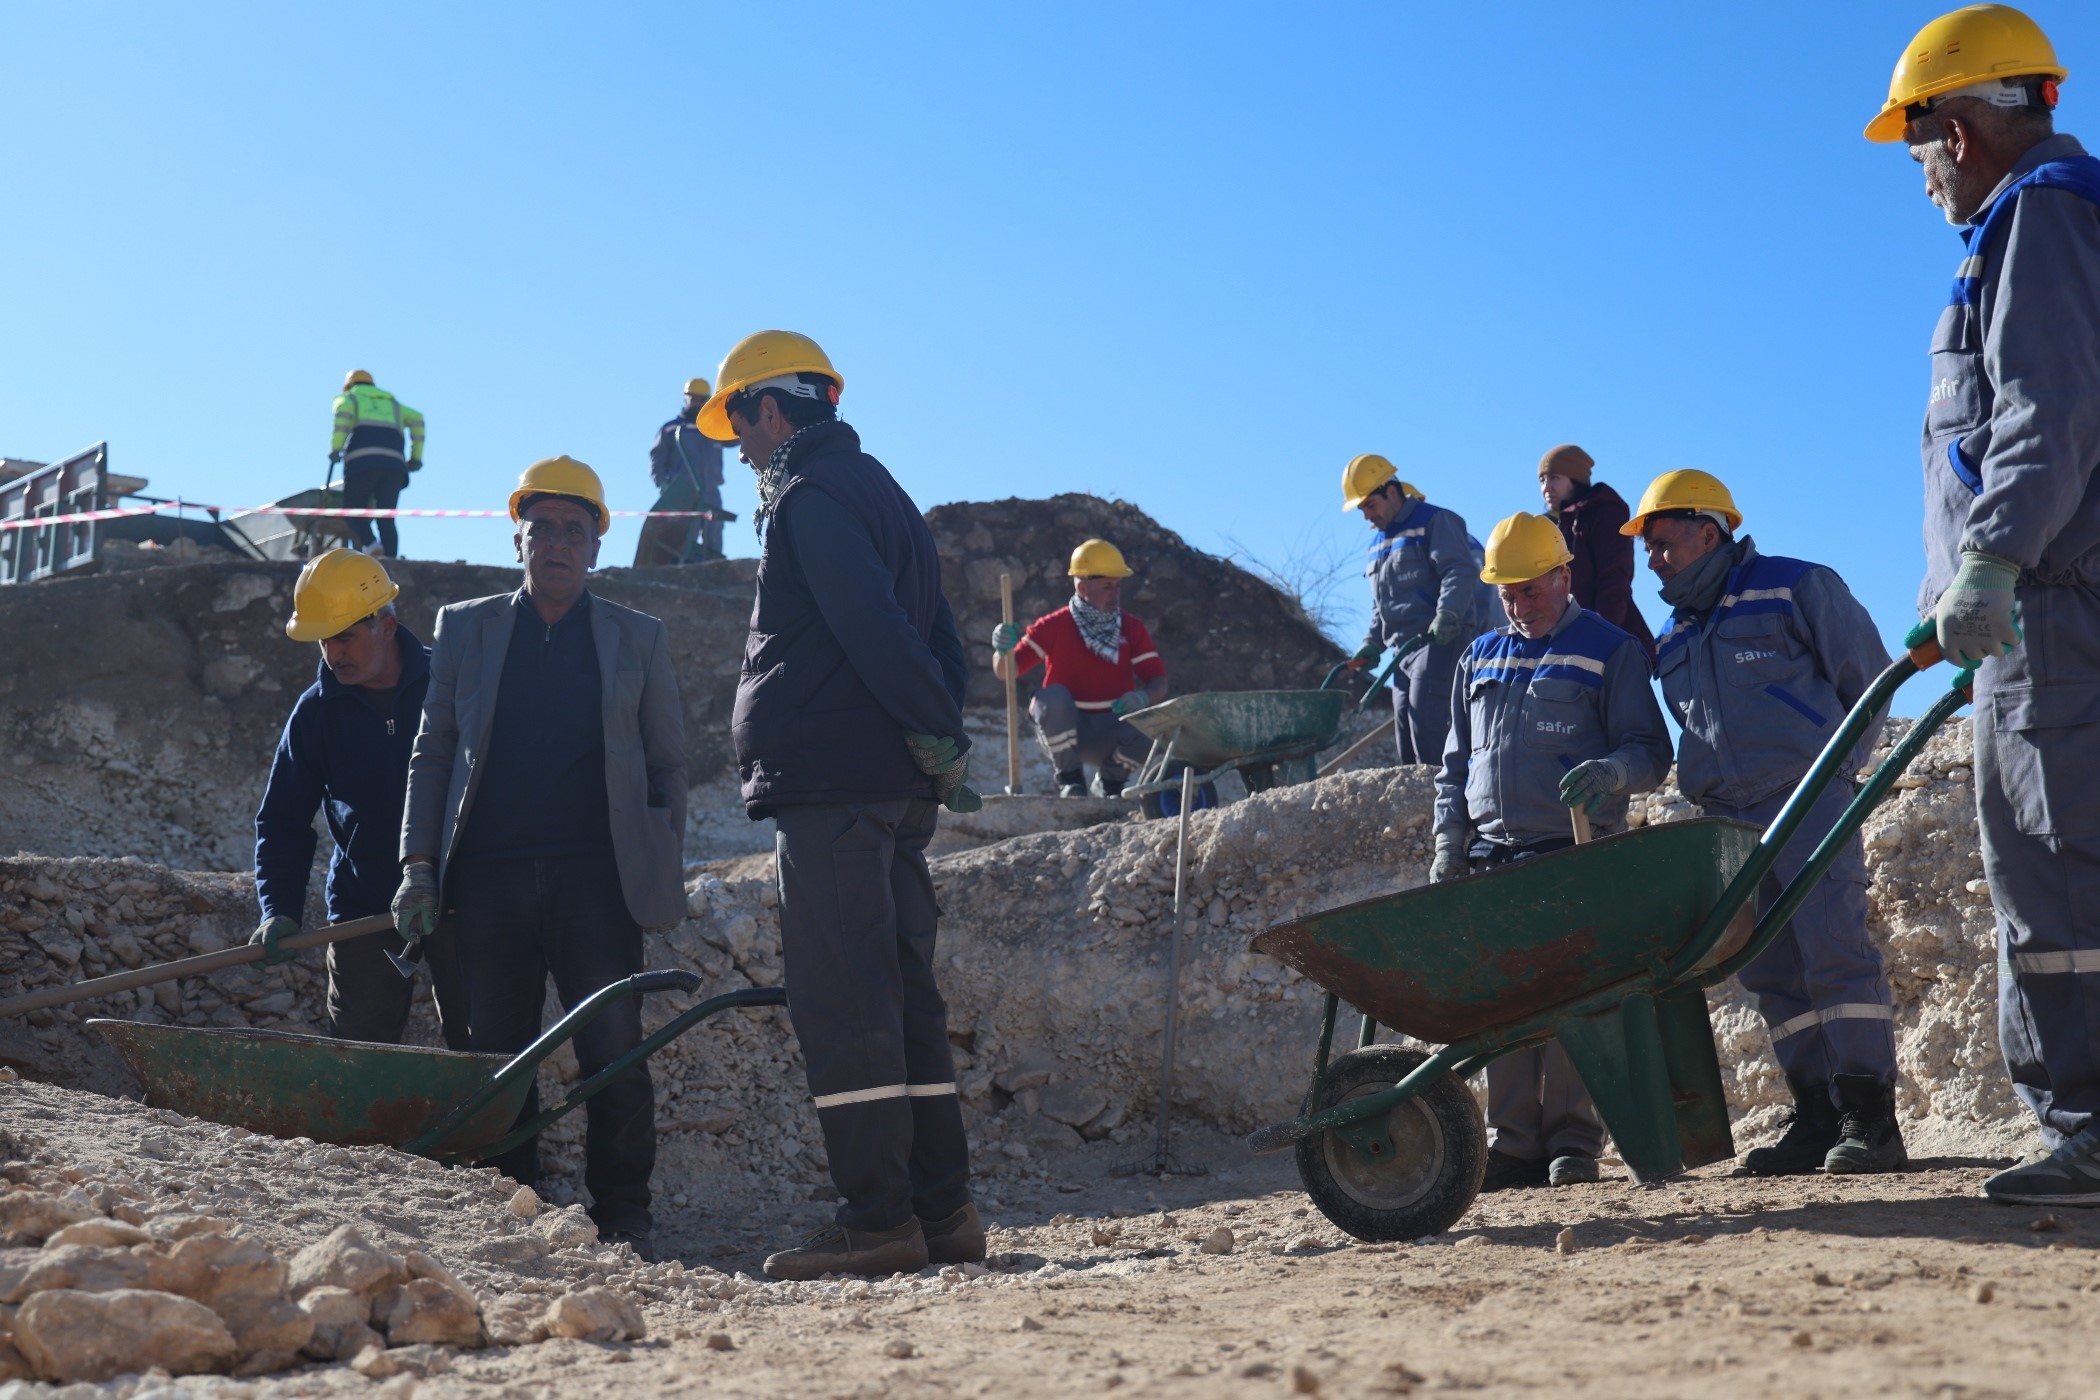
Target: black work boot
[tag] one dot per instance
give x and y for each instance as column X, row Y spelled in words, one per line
column 1111, row 787
column 1868, row 1138
column 1072, row 783
column 1811, row 1131
column 1507, row 1173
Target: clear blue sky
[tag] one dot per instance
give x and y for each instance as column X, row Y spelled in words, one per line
column 1196, row 256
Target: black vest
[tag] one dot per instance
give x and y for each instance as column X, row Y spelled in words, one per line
column 805, row 727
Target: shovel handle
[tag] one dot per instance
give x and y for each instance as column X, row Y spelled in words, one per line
column 189, row 967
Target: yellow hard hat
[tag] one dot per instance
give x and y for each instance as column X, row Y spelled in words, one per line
column 1958, row 49
column 1364, row 475
column 765, row 355
column 337, row 589
column 562, row 476
column 697, row 389
column 356, row 376
column 1098, row 559
column 1522, row 548
column 1685, row 490
column 1411, row 491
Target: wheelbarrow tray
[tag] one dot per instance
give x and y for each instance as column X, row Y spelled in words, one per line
column 1215, row 728
column 341, row 1091
column 1445, row 962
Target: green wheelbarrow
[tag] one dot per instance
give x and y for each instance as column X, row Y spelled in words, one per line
column 449, row 1105
column 1608, row 946
column 1269, row 737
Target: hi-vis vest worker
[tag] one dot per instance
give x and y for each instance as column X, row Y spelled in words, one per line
column 2012, row 537
column 371, row 429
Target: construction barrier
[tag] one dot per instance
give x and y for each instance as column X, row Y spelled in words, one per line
column 359, row 512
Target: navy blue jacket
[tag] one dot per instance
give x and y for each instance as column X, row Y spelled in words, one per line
column 337, row 750
column 852, row 642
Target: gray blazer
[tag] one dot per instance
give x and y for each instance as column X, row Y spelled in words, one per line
column 644, row 744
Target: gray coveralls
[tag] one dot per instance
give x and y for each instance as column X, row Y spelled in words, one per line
column 1420, row 565
column 2011, row 441
column 1759, row 681
column 1523, row 713
column 1072, row 735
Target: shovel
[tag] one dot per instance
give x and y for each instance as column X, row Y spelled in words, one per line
column 192, row 967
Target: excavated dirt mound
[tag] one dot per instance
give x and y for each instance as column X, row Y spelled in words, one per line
column 1218, row 626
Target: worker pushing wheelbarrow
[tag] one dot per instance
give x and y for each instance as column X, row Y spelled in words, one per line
column 1608, row 947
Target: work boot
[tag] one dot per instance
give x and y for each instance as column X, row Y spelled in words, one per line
column 1572, row 1169
column 2069, row 1176
column 955, row 1239
column 1072, row 783
column 1111, row 787
column 1505, row 1172
column 838, row 1250
column 1811, row 1131
column 1868, row 1138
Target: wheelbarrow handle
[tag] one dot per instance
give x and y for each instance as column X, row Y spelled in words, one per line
column 528, row 1060
column 1806, row 793
column 1406, row 649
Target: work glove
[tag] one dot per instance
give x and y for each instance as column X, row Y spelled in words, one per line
column 942, row 760
column 1005, row 637
column 1588, row 784
column 1977, row 616
column 1444, row 627
column 1450, row 862
column 415, row 464
column 1366, row 655
column 416, row 902
column 266, row 937
column 1927, row 630
column 1135, row 700
column 335, row 459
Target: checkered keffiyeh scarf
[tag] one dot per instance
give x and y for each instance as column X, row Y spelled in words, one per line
column 772, row 479
column 1100, row 628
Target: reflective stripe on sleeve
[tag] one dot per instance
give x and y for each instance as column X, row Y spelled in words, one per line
column 1037, row 647
column 2045, row 964
column 1148, row 656
column 1091, row 705
column 928, row 1091
column 1844, row 1011
column 887, row 1091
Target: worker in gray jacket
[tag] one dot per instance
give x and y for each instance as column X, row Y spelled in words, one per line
column 1423, row 579
column 1551, row 712
column 2012, row 536
column 1762, row 658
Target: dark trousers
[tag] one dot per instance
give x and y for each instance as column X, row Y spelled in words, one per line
column 367, row 995
column 1422, row 703
column 857, row 919
column 374, row 483
column 1073, row 737
column 515, row 923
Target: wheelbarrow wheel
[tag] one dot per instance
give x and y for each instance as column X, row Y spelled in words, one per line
column 1440, row 1152
column 1168, row 804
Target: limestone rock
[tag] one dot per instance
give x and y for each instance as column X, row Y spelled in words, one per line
column 594, row 1315
column 515, row 1320
column 1073, row 1104
column 31, row 1217
column 424, row 1310
column 339, row 1321
column 219, row 1269
column 378, row 1363
column 13, row 1365
column 85, row 1268
column 99, row 1232
column 345, row 1259
column 73, row 1336
column 271, row 1323
column 525, row 1203
column 562, row 1228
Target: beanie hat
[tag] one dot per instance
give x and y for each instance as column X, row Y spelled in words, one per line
column 1569, row 461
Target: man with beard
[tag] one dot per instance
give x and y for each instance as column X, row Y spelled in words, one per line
column 2012, row 536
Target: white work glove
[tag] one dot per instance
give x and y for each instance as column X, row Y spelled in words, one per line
column 1978, row 616
column 1443, row 628
column 416, row 902
column 1450, row 862
column 1588, row 784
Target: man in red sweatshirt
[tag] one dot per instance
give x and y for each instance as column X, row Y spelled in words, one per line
column 1098, row 663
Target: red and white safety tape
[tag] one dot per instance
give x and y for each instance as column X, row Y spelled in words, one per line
column 34, row 522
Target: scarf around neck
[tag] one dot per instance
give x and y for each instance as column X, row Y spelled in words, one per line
column 772, row 478
column 1100, row 628
column 1699, row 587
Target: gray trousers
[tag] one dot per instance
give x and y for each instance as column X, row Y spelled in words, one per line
column 1422, row 703
column 1820, row 985
column 367, row 997
column 1538, row 1107
column 2037, row 728
column 1072, row 736
column 857, row 925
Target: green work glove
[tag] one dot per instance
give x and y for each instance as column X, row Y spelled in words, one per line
column 1005, row 637
column 1450, row 862
column 1366, row 655
column 416, row 902
column 266, row 937
column 1588, row 784
column 1928, row 630
column 933, row 754
column 1443, row 628
column 1978, row 617
column 1135, row 700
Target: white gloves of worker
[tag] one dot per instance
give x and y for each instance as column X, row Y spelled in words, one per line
column 416, row 902
column 1977, row 616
